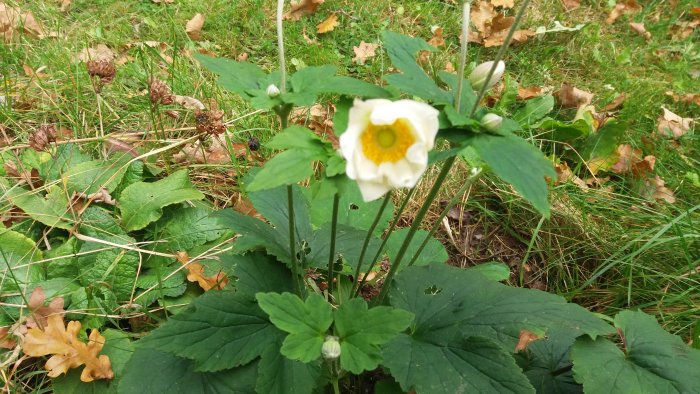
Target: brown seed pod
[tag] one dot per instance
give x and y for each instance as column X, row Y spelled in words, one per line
column 103, row 69
column 210, row 122
column 160, row 92
column 43, row 135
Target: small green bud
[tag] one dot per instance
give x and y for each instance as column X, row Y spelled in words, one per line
column 273, row 91
column 478, row 76
column 491, row 122
column 331, row 348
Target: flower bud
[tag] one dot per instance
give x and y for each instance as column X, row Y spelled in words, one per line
column 491, row 122
column 331, row 348
column 478, row 76
column 273, row 91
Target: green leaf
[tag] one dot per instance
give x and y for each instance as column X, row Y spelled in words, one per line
column 352, row 87
column 363, row 331
column 602, row 143
column 67, row 156
column 142, row 203
column 18, row 250
column 534, row 110
column 64, row 264
column 522, row 165
column 287, row 168
column 564, row 131
column 402, row 51
column 492, row 270
column 114, row 266
column 184, row 227
column 279, row 375
column 297, row 137
column 306, row 322
column 90, row 176
column 342, row 113
column 51, row 210
column 133, row 174
column 473, row 365
column 447, row 299
column 258, row 272
column 653, row 361
column 348, row 244
column 154, row 371
column 220, row 330
column 433, row 253
column 547, row 364
column 237, row 77
column 308, row 79
column 468, row 99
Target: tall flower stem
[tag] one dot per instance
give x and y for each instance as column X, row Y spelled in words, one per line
column 414, row 227
column 470, row 181
column 292, row 240
column 466, row 9
column 331, row 252
column 280, row 46
column 397, row 215
column 368, row 237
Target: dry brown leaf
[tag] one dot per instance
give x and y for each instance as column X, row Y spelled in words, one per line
column 163, row 1
column 40, row 313
column 630, row 160
column 571, row 4
column 641, row 30
column 499, row 27
column 318, row 118
column 65, row 4
column 571, row 97
column 328, row 24
column 28, row 71
column 12, row 19
column 629, row 6
column 216, row 153
column 67, row 350
column 655, row 189
column 302, row 8
column 437, row 39
column 685, row 98
column 100, row 52
column 309, row 40
column 528, row 93
column 243, row 206
column 188, row 102
column 193, row 28
column 196, row 274
column 242, row 57
column 364, row 51
column 524, row 339
column 449, row 67
column 503, row 3
column 481, row 15
column 617, row 101
column 5, row 341
column 672, row 125
column 564, row 175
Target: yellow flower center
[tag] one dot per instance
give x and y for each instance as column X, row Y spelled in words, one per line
column 387, row 143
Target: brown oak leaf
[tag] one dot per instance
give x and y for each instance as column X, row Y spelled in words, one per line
column 364, row 51
column 302, row 8
column 672, row 125
column 570, row 97
column 195, row 273
column 193, row 28
column 626, row 7
column 328, row 24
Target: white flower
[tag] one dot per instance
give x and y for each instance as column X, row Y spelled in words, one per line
column 478, row 76
column 273, row 91
column 491, row 122
column 331, row 348
column 386, row 144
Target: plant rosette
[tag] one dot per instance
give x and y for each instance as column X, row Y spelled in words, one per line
column 386, row 144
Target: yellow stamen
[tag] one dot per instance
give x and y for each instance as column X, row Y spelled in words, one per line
column 387, row 143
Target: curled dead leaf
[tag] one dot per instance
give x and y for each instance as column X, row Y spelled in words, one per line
column 188, row 102
column 564, row 175
column 100, row 52
column 570, row 97
column 641, row 30
column 672, row 125
column 67, row 351
column 193, row 28
column 364, row 51
column 302, row 8
column 196, row 274
column 626, row 7
column 14, row 19
column 655, row 189
column 617, row 101
column 524, row 339
column 528, row 93
column 685, row 98
column 437, row 39
column 328, row 24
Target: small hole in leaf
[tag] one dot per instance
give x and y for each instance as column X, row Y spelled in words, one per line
column 432, row 290
column 354, row 207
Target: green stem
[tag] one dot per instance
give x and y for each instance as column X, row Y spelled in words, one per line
column 292, row 240
column 280, row 46
column 470, row 181
column 466, row 8
column 368, row 237
column 336, row 387
column 414, row 227
column 404, row 203
column 331, row 256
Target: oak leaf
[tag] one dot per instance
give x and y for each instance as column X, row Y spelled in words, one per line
column 13, row 18
column 328, row 24
column 437, row 39
column 193, row 28
column 528, row 93
column 67, row 351
column 672, row 125
column 302, row 8
column 655, row 189
column 364, row 51
column 617, row 101
column 195, row 273
column 685, row 98
column 39, row 313
column 626, row 7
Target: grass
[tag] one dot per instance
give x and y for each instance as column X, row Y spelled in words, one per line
column 606, row 249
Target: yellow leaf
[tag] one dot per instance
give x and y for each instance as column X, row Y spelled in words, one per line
column 328, row 25
column 67, row 350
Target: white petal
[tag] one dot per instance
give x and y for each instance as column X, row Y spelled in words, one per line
column 422, row 117
column 417, row 154
column 372, row 190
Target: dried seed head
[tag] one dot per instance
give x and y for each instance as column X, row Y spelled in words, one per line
column 43, row 135
column 253, row 143
column 209, row 122
column 160, row 92
column 103, row 69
